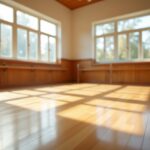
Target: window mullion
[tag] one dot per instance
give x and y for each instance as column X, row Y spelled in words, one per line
column 104, row 48
column 39, row 41
column 49, row 49
column 115, row 42
column 0, row 39
column 141, row 53
column 28, row 45
column 127, row 47
column 14, row 53
column 56, row 38
column 56, row 50
column 95, row 50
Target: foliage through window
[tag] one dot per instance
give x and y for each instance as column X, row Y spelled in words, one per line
column 123, row 39
column 6, row 40
column 27, row 20
column 27, row 36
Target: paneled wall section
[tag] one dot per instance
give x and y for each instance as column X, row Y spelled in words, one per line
column 116, row 73
column 19, row 73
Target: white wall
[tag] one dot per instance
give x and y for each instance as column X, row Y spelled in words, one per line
column 83, row 18
column 57, row 11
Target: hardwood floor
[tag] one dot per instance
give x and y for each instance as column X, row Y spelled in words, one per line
column 75, row 117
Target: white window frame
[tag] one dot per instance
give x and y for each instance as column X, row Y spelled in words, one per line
column 116, row 33
column 18, row 7
column 12, row 25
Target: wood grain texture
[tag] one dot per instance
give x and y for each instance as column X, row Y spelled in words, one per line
column 15, row 73
column 74, row 4
column 19, row 73
column 116, row 73
column 75, row 117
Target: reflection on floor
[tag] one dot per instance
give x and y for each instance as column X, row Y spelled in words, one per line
column 75, row 117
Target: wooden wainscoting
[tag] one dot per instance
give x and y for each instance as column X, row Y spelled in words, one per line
column 20, row 73
column 116, row 73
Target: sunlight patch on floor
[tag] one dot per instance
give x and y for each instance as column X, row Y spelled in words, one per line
column 126, row 122
column 4, row 96
column 63, row 88
column 83, row 92
column 36, row 103
column 124, row 106
column 28, row 92
column 104, row 88
column 77, row 112
column 63, row 97
column 128, row 96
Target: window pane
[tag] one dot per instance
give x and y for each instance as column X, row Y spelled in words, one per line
column 22, row 43
column 6, row 40
column 44, row 48
column 109, row 44
column 99, row 49
column 134, row 45
column 27, row 20
column 48, row 27
column 134, row 23
column 146, row 43
column 122, row 47
column 104, row 28
column 33, row 49
column 6, row 13
column 52, row 43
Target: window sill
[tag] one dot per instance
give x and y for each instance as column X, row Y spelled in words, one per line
column 120, row 62
column 58, row 63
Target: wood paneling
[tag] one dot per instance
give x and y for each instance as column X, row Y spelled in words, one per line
column 21, row 73
column 73, row 4
column 117, row 73
column 42, row 77
column 18, row 73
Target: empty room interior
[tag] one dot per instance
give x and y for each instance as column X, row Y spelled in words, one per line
column 74, row 74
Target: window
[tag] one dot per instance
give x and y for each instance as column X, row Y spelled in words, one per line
column 6, row 31
column 47, row 27
column 6, row 16
column 27, row 35
column 123, row 39
column 109, row 45
column 146, row 43
column 48, row 48
column 48, row 41
column 6, row 40
column 27, row 49
column 27, row 20
column 99, row 48
column 105, row 48
column 122, row 47
column 105, row 28
column 33, row 46
column 44, row 48
column 134, row 23
column 52, row 45
column 22, row 43
column 134, row 45
column 105, row 41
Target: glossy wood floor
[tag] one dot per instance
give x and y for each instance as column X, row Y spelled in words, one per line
column 75, row 117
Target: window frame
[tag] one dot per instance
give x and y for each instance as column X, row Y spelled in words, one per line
column 18, row 7
column 10, row 24
column 115, row 34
